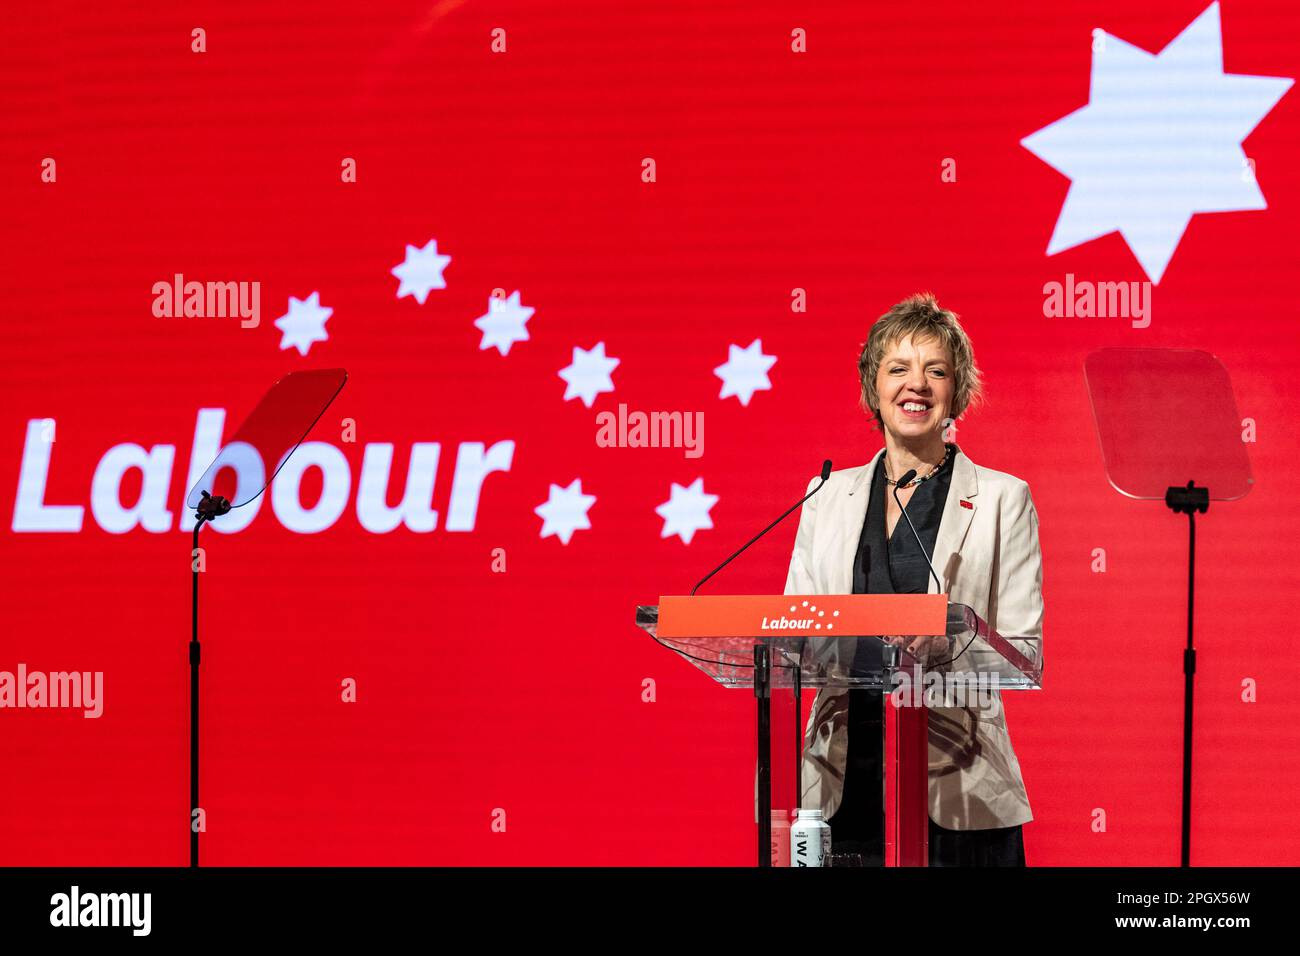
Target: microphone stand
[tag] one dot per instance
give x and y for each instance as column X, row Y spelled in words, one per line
column 938, row 586
column 763, row 698
column 208, row 509
column 1188, row 501
column 902, row 482
column 826, row 473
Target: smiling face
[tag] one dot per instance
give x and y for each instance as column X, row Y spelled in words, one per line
column 915, row 387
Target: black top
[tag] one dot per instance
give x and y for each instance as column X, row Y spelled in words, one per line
column 899, row 567
column 880, row 567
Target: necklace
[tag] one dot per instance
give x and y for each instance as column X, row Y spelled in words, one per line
column 947, row 453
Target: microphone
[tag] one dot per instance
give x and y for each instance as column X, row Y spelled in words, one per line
column 908, row 476
column 826, row 473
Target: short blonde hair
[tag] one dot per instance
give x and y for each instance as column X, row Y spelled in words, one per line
column 919, row 317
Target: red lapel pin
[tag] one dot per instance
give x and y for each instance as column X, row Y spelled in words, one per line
column 967, row 504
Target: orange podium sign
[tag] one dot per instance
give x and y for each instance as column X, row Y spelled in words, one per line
column 803, row 615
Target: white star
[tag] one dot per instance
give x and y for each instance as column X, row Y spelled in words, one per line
column 1159, row 141
column 503, row 325
column 565, row 511
column 745, row 371
column 304, row 323
column 687, row 511
column 588, row 374
column 421, row 271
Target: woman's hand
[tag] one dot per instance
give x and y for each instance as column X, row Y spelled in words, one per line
column 924, row 649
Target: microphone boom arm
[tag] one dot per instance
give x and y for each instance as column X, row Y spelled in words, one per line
column 826, row 473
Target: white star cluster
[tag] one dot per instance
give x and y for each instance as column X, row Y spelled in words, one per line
column 588, row 375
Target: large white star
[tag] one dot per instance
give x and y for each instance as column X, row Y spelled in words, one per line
column 565, row 511
column 421, row 271
column 686, row 511
column 745, row 371
column 588, row 375
column 504, row 323
column 304, row 323
column 1159, row 141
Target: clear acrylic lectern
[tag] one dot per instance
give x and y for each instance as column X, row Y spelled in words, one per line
column 791, row 642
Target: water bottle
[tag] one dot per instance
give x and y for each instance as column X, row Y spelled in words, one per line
column 810, row 840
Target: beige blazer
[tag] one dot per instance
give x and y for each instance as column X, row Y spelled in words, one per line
column 988, row 557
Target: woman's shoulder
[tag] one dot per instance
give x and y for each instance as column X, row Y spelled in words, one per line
column 841, row 482
column 848, row 480
column 847, row 476
column 1001, row 481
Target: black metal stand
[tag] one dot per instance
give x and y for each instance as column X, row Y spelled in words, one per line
column 763, row 698
column 1188, row 501
column 798, row 733
column 209, row 508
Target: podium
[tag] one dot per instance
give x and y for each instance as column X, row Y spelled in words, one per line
column 792, row 642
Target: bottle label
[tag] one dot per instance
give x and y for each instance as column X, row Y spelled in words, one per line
column 809, row 845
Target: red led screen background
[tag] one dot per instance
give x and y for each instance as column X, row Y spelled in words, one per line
column 884, row 160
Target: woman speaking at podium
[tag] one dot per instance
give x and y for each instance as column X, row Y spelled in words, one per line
column 980, row 532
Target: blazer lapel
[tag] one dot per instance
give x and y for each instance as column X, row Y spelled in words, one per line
column 958, row 512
